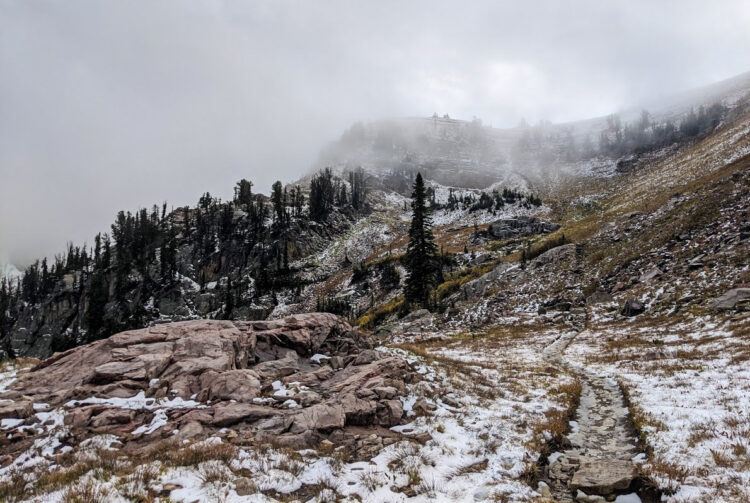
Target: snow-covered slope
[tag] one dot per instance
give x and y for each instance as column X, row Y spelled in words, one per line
column 10, row 272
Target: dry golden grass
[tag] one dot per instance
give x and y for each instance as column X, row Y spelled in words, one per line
column 556, row 422
column 700, row 433
column 88, row 492
column 194, row 455
column 104, row 464
column 13, row 488
column 674, row 474
column 379, row 313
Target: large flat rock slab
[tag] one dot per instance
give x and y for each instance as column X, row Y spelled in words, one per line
column 604, row 477
column 204, row 377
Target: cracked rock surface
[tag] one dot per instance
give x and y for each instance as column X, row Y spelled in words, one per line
column 266, row 380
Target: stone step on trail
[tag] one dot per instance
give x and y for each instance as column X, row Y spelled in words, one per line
column 597, row 461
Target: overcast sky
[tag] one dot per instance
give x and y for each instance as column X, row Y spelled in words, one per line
column 116, row 105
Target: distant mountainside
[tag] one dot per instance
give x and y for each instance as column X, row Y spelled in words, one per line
column 585, row 333
column 470, row 154
column 333, row 240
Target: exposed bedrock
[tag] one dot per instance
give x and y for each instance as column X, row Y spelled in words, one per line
column 294, row 381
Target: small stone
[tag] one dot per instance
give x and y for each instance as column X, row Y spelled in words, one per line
column 16, row 410
column 632, row 307
column 652, row 273
column 308, row 398
column 191, row 429
column 166, row 489
column 243, row 486
column 422, row 437
column 336, row 362
column 543, row 489
column 736, row 298
column 451, row 401
column 481, row 494
column 366, row 356
column 422, row 407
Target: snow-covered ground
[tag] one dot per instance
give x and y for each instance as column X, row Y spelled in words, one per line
column 10, row 272
column 689, row 388
column 479, row 417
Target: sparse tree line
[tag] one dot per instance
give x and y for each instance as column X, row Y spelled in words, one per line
column 494, row 201
column 241, row 249
column 328, row 192
column 617, row 139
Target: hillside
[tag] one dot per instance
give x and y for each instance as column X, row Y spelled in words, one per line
column 588, row 340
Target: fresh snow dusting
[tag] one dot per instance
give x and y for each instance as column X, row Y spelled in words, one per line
column 139, row 401
column 10, row 272
column 477, row 442
column 692, row 396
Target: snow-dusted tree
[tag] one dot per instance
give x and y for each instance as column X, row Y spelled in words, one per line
column 421, row 259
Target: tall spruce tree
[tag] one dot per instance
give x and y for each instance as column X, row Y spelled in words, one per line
column 279, row 209
column 421, row 253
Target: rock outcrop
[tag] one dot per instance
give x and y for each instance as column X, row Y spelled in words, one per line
column 520, row 226
column 266, row 379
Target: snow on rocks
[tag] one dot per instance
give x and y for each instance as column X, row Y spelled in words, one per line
column 473, row 416
column 185, row 381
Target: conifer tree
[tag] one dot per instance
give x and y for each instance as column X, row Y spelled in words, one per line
column 277, row 198
column 322, row 195
column 421, row 253
column 243, row 192
column 298, row 200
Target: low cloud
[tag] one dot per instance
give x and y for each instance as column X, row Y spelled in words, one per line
column 114, row 105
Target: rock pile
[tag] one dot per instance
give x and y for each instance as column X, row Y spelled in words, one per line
column 297, row 381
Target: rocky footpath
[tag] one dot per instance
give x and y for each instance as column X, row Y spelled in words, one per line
column 300, row 381
column 599, row 455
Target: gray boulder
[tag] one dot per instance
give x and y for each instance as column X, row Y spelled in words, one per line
column 632, row 307
column 603, row 477
column 736, row 298
column 652, row 273
column 599, row 297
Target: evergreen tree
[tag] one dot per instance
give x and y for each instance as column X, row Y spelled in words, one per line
column 322, row 195
column 358, row 188
column 421, row 253
column 298, row 201
column 168, row 262
column 277, row 198
column 343, row 198
column 243, row 192
column 98, row 294
column 6, row 316
column 228, row 300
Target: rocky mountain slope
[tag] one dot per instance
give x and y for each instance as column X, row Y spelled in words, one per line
column 588, row 341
